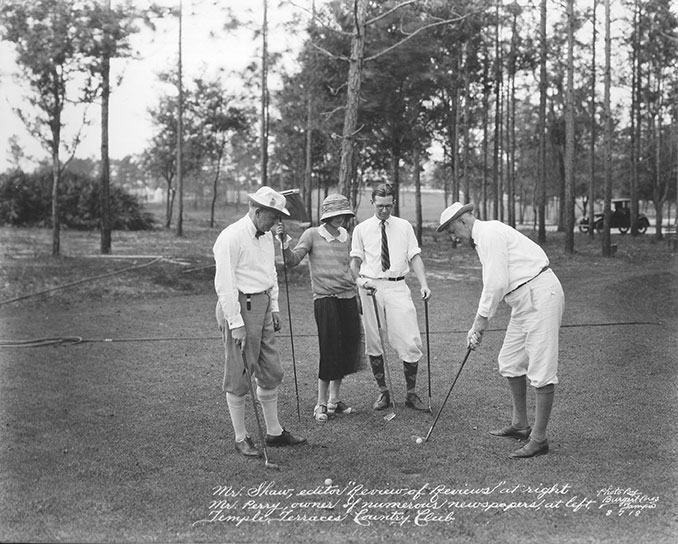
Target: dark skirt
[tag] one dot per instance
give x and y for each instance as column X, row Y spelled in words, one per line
column 339, row 337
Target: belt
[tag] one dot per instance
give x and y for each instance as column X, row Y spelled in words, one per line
column 528, row 281
column 248, row 297
column 399, row 278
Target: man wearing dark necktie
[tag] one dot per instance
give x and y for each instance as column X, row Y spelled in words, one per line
column 383, row 249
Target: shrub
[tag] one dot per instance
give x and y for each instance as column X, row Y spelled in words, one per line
column 25, row 200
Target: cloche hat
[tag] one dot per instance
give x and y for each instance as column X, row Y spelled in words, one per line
column 334, row 205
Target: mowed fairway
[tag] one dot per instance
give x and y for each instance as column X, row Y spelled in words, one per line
column 125, row 436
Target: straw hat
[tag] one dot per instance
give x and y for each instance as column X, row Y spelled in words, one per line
column 266, row 197
column 453, row 213
column 334, row 205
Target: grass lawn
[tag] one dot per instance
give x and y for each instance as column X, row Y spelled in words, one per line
column 125, row 436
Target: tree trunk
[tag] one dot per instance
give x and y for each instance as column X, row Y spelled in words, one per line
column 264, row 98
column 635, row 117
column 104, row 195
column 466, row 129
column 486, row 152
column 569, row 134
column 543, row 85
column 56, row 222
column 347, row 167
column 170, row 204
column 497, row 116
column 395, row 177
column 215, row 183
column 417, row 197
column 606, row 238
column 308, row 166
column 180, row 136
column 592, row 147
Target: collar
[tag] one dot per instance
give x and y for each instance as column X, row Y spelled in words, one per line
column 342, row 237
column 252, row 229
column 475, row 233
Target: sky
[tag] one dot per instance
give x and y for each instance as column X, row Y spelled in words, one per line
column 130, row 127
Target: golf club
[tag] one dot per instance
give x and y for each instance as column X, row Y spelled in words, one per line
column 289, row 319
column 428, row 355
column 262, row 437
column 391, row 414
column 419, row 439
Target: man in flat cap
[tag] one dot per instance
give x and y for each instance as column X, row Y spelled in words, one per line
column 247, row 312
column 516, row 270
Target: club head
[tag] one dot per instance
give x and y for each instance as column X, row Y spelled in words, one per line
column 389, row 416
column 271, row 466
column 419, row 439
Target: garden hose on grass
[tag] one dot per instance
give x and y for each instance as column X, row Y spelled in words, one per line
column 72, row 340
column 85, row 280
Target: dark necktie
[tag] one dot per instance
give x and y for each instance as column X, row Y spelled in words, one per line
column 473, row 244
column 385, row 259
column 259, row 233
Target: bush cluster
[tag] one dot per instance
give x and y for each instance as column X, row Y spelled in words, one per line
column 26, row 201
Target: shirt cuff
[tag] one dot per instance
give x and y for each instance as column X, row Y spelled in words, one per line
column 235, row 321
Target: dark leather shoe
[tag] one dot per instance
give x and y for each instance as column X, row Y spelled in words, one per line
column 383, row 402
column 247, row 448
column 285, row 439
column 511, row 432
column 531, row 449
column 413, row 401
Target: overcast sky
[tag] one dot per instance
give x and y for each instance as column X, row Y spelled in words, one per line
column 130, row 127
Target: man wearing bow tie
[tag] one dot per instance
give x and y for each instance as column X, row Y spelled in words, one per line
column 247, row 312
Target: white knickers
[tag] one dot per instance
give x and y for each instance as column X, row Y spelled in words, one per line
column 531, row 342
column 398, row 319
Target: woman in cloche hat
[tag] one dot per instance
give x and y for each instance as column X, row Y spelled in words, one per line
column 335, row 303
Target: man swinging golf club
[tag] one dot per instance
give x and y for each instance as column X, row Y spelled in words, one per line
column 247, row 313
column 516, row 269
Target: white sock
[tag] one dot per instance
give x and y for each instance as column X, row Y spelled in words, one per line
column 334, row 391
column 236, row 409
column 269, row 406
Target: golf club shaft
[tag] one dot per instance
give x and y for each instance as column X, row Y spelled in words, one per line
column 289, row 319
column 468, row 352
column 428, row 354
column 262, row 437
column 387, row 371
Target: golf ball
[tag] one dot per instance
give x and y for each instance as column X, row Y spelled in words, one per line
column 419, row 440
column 328, row 481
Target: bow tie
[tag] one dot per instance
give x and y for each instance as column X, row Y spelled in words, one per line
column 259, row 233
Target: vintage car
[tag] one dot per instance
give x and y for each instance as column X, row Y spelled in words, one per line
column 620, row 218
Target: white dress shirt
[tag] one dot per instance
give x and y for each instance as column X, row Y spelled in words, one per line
column 509, row 259
column 402, row 247
column 245, row 264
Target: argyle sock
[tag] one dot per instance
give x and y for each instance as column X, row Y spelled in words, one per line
column 543, row 411
column 377, row 364
column 410, row 370
column 268, row 398
column 236, row 409
column 518, row 387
